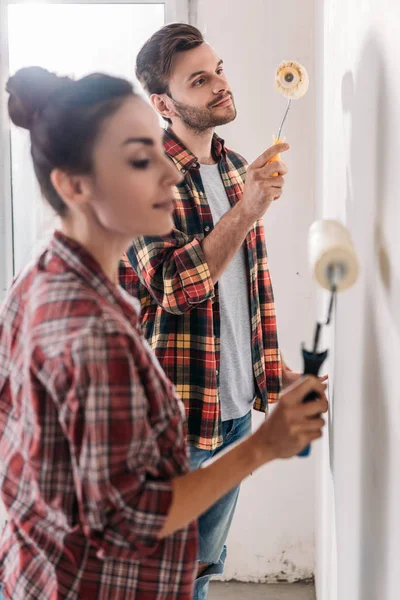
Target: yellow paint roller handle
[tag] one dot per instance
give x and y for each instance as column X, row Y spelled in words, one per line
column 277, row 156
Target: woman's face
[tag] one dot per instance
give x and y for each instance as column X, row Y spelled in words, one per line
column 133, row 179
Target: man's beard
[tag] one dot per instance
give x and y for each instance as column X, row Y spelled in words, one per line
column 203, row 119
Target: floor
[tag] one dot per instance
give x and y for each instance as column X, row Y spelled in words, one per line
column 254, row 591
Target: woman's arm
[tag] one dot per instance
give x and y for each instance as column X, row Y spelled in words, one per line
column 290, row 428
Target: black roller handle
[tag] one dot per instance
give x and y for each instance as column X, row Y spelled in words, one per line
column 313, row 362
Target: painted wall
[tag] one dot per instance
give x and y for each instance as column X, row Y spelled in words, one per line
column 359, row 178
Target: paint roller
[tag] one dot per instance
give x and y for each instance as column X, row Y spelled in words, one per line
column 333, row 261
column 291, row 80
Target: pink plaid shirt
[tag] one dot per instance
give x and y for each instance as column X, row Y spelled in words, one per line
column 91, row 434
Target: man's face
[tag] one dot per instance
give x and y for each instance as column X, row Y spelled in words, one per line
column 199, row 90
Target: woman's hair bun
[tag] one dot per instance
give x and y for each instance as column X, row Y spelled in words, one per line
column 29, row 91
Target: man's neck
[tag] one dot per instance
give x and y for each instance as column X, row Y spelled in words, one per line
column 199, row 143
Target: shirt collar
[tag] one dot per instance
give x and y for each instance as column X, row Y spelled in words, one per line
column 77, row 259
column 183, row 158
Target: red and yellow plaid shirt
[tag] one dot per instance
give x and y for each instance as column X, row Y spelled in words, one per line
column 91, row 434
column 180, row 307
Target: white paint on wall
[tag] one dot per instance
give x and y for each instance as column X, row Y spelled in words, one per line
column 360, row 184
column 272, row 536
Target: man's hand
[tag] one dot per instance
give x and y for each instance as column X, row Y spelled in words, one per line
column 289, row 377
column 262, row 187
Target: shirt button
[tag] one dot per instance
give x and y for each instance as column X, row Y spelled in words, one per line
column 207, row 228
column 217, row 372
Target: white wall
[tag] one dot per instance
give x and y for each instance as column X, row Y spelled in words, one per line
column 273, row 532
column 359, row 183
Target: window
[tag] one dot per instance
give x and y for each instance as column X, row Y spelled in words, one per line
column 67, row 37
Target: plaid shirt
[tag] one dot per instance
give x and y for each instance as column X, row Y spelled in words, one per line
column 91, row 434
column 180, row 306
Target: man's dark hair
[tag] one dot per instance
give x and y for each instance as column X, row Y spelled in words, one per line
column 154, row 61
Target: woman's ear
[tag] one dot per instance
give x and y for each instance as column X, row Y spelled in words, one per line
column 73, row 189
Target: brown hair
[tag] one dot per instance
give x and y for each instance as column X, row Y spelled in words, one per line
column 64, row 118
column 154, row 61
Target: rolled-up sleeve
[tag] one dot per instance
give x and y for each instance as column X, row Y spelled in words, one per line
column 106, row 416
column 173, row 269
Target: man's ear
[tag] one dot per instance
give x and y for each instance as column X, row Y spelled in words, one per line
column 163, row 104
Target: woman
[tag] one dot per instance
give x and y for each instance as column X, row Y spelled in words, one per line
column 94, row 472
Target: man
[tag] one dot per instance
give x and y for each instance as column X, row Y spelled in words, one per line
column 207, row 302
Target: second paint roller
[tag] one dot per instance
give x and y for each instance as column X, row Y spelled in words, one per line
column 334, row 264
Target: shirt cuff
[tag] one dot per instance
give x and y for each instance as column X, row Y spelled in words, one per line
column 194, row 273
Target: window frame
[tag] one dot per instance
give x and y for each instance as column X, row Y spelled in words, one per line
column 175, row 11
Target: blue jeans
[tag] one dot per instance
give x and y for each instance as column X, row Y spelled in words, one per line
column 214, row 525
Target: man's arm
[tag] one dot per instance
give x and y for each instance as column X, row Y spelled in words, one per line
column 180, row 273
column 260, row 190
